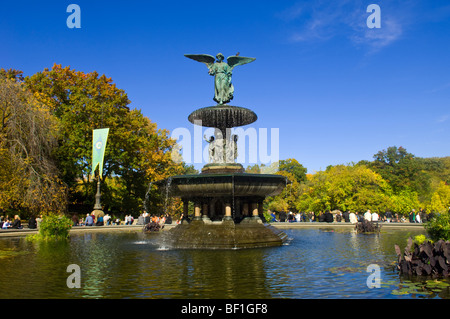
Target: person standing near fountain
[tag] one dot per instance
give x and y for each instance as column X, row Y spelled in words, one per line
column 106, row 219
column 375, row 217
column 89, row 220
column 17, row 223
column 346, row 216
column 352, row 217
column 328, row 217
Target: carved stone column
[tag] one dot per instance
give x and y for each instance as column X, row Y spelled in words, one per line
column 197, row 211
column 255, row 211
column 245, row 210
column 227, row 212
column 205, row 216
column 185, row 210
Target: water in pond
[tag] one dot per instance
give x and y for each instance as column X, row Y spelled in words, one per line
column 315, row 263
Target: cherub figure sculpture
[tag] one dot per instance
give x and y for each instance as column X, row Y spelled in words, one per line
column 232, row 149
column 211, row 148
column 222, row 71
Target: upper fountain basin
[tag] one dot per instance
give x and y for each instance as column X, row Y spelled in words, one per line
column 223, row 116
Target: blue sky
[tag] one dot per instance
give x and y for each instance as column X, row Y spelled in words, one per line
column 338, row 91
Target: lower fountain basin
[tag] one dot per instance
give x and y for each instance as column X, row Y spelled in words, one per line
column 227, row 210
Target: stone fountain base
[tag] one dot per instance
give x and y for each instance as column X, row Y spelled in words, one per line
column 249, row 233
column 223, row 168
column 223, row 191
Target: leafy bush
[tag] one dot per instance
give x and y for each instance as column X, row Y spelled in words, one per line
column 439, row 227
column 53, row 228
column 420, row 239
column 267, row 216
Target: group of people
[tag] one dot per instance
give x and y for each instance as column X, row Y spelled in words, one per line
column 154, row 223
column 16, row 223
column 7, row 223
column 106, row 220
column 419, row 217
column 145, row 218
column 90, row 220
column 349, row 217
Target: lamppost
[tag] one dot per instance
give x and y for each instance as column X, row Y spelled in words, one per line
column 98, row 205
column 99, row 139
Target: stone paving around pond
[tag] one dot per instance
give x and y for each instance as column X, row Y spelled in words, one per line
column 134, row 228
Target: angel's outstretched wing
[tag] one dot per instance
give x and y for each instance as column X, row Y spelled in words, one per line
column 238, row 60
column 203, row 58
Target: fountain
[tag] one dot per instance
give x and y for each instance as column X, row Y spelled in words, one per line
column 227, row 201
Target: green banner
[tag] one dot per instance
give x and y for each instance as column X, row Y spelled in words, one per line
column 99, row 139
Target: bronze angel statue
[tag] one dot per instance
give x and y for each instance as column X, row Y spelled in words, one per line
column 223, row 71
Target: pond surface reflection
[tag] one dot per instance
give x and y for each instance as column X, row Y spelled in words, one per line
column 315, row 263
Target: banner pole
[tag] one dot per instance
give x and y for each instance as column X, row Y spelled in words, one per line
column 98, row 205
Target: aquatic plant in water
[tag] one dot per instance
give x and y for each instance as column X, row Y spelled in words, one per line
column 429, row 288
column 426, row 259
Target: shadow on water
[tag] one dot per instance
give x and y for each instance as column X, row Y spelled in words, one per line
column 314, row 263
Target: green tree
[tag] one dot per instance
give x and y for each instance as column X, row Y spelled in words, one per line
column 404, row 202
column 355, row 188
column 440, row 199
column 404, row 171
column 439, row 227
column 288, row 198
column 292, row 166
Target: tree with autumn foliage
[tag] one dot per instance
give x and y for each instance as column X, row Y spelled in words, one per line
column 29, row 179
column 137, row 152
